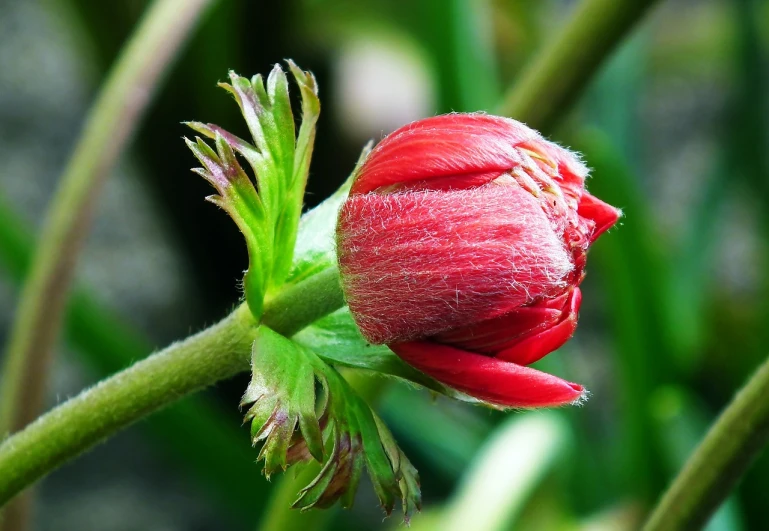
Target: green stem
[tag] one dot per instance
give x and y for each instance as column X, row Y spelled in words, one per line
column 719, row 462
column 557, row 77
column 301, row 304
column 161, row 379
column 110, row 124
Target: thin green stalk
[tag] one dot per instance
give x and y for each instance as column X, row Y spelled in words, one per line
column 111, row 122
column 559, row 74
column 721, row 459
column 165, row 377
column 304, row 303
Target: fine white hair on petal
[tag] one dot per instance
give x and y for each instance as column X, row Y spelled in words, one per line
column 416, row 264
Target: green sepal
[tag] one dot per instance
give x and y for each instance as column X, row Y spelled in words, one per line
column 282, row 394
column 315, row 248
column 286, row 230
column 302, row 408
column 337, row 340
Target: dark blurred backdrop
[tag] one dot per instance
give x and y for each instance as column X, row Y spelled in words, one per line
column 675, row 126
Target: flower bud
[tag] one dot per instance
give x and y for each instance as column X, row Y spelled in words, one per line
column 462, row 246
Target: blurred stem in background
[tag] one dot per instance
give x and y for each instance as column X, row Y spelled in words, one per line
column 512, row 462
column 108, row 128
column 193, row 428
column 747, row 140
column 556, row 78
column 720, row 461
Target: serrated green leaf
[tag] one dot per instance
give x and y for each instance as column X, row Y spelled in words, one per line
column 248, row 151
column 282, row 395
column 238, row 197
column 310, row 111
column 280, row 162
column 296, row 162
column 283, row 118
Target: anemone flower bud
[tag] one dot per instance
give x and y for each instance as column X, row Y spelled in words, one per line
column 462, row 246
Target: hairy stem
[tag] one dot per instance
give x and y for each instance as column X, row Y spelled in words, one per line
column 557, row 76
column 304, row 303
column 182, row 368
column 721, row 459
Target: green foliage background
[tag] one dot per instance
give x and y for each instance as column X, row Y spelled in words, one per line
column 675, row 127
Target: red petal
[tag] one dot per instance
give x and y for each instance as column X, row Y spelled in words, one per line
column 489, row 337
column 603, row 214
column 417, row 264
column 536, row 346
column 492, row 380
column 492, row 336
column 443, row 146
column 451, row 182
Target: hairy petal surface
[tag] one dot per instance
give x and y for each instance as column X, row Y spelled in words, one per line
column 417, row 264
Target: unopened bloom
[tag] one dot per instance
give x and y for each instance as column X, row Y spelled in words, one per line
column 462, row 246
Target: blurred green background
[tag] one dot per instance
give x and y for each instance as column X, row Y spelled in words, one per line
column 675, row 127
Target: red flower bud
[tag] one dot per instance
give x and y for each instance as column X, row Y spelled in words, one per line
column 462, row 246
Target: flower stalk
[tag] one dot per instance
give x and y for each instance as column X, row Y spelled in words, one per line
column 720, row 461
column 214, row 354
column 557, row 76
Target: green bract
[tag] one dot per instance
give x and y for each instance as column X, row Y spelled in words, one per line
column 299, row 420
column 299, row 406
column 280, row 161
